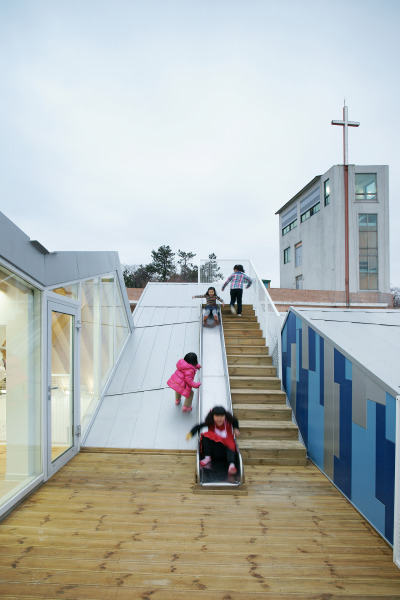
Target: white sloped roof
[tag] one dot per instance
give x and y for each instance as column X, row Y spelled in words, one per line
column 371, row 337
column 139, row 409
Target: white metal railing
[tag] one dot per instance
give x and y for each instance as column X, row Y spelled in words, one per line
column 217, row 271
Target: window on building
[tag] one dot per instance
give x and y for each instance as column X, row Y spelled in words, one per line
column 310, row 212
column 289, row 227
column 298, row 254
column 299, row 282
column 327, row 192
column 286, row 255
column 366, row 186
column 368, row 249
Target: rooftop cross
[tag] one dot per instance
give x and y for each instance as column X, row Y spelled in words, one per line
column 345, row 124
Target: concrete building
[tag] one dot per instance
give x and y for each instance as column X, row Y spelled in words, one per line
column 312, row 234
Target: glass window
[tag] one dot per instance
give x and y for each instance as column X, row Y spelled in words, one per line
column 310, row 212
column 299, row 282
column 69, row 291
column 107, row 327
column 327, row 192
column 289, row 227
column 298, row 254
column 365, row 184
column 90, row 352
column 20, row 384
column 368, row 251
column 121, row 322
column 286, row 256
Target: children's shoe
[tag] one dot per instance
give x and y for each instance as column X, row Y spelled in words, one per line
column 177, row 401
column 233, row 309
column 186, row 408
column 206, row 461
column 232, row 470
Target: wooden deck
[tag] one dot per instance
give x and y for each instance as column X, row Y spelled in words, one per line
column 115, row 526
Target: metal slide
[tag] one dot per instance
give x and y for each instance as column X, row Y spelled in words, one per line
column 214, row 390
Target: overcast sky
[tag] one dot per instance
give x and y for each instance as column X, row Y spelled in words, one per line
column 129, row 124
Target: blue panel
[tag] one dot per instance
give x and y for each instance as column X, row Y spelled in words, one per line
column 302, row 392
column 363, row 464
column 289, row 216
column 298, row 353
column 311, row 349
column 390, row 432
column 390, row 480
column 284, row 339
column 321, row 372
column 380, row 453
column 348, row 370
column 339, row 366
column 299, row 323
column 310, row 200
column 315, row 431
column 288, row 385
column 291, row 328
column 342, row 465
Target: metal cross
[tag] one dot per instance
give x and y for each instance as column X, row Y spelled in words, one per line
column 345, row 124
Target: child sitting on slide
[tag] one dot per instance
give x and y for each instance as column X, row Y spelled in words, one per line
column 211, row 303
column 218, row 443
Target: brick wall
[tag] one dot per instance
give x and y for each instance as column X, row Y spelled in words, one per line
column 283, row 298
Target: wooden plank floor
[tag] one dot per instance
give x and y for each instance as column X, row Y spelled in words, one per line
column 113, row 526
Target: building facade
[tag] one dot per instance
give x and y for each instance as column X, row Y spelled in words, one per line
column 312, row 232
column 64, row 320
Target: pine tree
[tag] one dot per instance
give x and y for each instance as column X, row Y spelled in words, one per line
column 163, row 263
column 210, row 271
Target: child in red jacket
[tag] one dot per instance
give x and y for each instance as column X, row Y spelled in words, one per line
column 219, row 441
column 182, row 381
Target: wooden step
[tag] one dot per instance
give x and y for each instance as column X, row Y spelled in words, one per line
column 252, row 370
column 246, row 350
column 242, row 324
column 255, row 430
column 273, row 452
column 247, row 310
column 266, row 412
column 251, row 359
column 243, row 396
column 242, row 332
column 243, row 341
column 230, row 318
column 265, row 383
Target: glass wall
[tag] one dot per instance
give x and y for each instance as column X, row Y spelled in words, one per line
column 107, row 327
column 368, row 247
column 90, row 358
column 103, row 333
column 20, row 384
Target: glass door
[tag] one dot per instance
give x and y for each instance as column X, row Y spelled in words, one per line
column 63, row 416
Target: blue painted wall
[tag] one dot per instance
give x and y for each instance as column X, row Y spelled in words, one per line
column 348, row 434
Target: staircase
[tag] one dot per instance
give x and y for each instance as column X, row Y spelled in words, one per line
column 267, row 433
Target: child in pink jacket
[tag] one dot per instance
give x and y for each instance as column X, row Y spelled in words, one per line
column 182, row 381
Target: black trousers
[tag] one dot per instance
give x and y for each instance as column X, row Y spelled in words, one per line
column 237, row 295
column 217, row 450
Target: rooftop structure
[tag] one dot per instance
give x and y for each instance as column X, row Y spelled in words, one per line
column 313, row 233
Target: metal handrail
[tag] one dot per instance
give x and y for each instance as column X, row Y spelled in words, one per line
column 228, row 387
column 229, row 398
column 257, row 294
